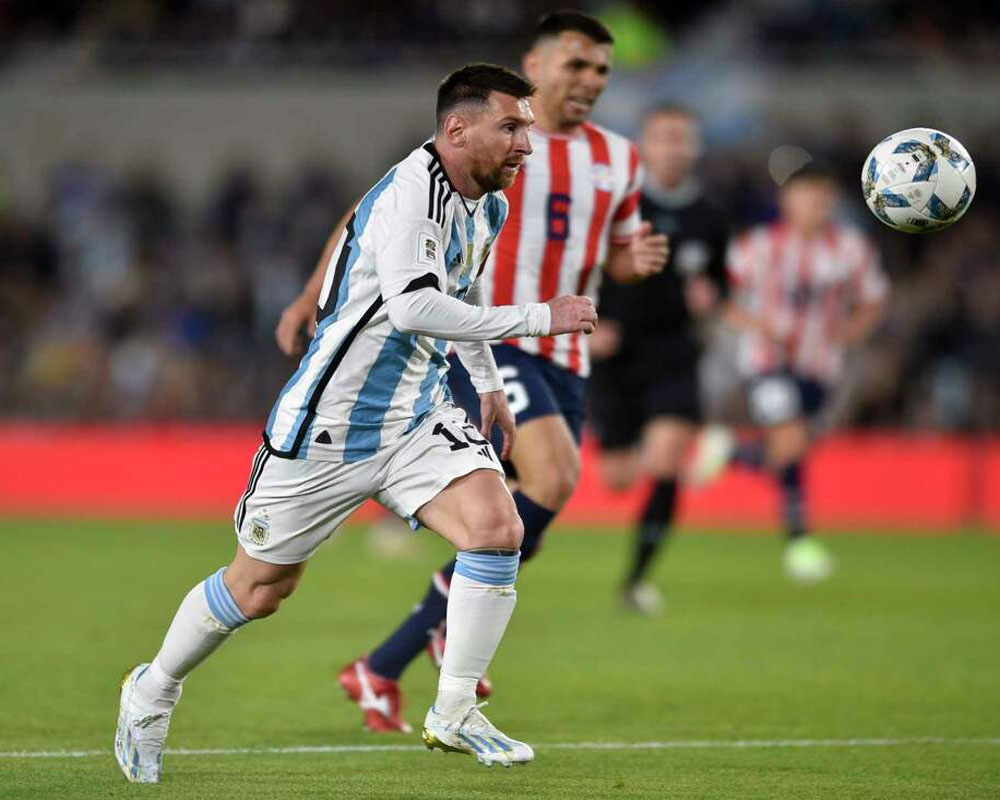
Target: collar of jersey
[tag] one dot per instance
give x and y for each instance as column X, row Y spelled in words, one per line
column 430, row 148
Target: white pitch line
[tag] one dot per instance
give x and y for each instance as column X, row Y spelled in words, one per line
column 695, row 744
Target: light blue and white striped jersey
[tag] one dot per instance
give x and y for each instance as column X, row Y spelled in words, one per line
column 362, row 384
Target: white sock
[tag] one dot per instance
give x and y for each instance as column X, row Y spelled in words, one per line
column 207, row 616
column 480, row 603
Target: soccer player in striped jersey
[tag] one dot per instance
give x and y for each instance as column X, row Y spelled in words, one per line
column 802, row 291
column 574, row 214
column 368, row 415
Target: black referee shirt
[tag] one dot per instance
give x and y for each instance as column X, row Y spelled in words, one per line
column 659, row 331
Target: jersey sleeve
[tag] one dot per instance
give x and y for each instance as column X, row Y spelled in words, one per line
column 408, row 244
column 625, row 221
column 477, row 357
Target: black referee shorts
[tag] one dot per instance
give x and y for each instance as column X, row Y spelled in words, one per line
column 619, row 409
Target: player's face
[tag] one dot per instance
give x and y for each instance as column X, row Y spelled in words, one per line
column 498, row 142
column 670, row 145
column 570, row 71
column 808, row 205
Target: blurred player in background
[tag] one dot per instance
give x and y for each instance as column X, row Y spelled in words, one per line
column 573, row 212
column 368, row 415
column 804, row 289
column 644, row 398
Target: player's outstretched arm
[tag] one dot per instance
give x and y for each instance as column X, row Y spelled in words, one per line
column 429, row 312
column 301, row 312
column 644, row 255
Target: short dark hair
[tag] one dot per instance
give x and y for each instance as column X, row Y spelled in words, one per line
column 811, row 171
column 551, row 25
column 473, row 84
column 667, row 108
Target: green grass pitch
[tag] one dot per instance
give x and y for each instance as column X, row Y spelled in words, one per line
column 903, row 644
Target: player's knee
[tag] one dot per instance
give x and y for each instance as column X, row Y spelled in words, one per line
column 616, row 476
column 498, row 528
column 263, row 600
column 554, row 483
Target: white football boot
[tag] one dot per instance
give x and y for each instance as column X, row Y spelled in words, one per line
column 142, row 732
column 712, row 452
column 473, row 734
column 807, row 561
column 644, row 598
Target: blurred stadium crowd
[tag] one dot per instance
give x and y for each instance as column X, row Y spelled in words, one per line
column 120, row 300
column 275, row 33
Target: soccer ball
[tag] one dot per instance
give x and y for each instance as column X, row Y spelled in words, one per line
column 918, row 180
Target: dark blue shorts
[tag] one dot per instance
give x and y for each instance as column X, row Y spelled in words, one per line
column 781, row 396
column 535, row 388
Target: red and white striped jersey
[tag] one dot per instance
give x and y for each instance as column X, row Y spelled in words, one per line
column 804, row 289
column 571, row 199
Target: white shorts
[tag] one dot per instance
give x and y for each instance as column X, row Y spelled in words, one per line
column 291, row 506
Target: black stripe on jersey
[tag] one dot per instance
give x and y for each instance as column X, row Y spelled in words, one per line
column 432, row 191
column 338, row 272
column 321, row 385
column 428, row 281
column 443, row 198
column 441, row 188
column 255, row 474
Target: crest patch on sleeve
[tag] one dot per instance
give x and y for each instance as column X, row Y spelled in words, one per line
column 427, row 249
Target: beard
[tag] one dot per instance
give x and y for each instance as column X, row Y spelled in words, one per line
column 492, row 180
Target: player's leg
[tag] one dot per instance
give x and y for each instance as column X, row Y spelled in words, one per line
column 531, row 399
column 449, row 479
column 208, row 615
column 664, row 442
column 475, row 513
column 619, row 468
column 277, row 530
column 383, row 666
column 549, row 404
column 787, row 444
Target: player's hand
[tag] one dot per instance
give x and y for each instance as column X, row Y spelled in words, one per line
column 607, row 339
column 300, row 313
column 571, row 314
column 493, row 410
column 649, row 251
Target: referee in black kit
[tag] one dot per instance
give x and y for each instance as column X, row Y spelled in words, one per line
column 644, row 397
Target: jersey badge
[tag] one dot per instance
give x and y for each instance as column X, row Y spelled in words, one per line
column 427, row 249
column 260, row 529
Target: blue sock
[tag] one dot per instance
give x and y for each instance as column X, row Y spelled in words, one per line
column 391, row 657
column 792, row 500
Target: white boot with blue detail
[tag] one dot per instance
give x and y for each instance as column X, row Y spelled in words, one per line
column 480, row 603
column 206, row 618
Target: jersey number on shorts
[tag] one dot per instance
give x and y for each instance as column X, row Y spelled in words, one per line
column 455, row 442
column 558, row 215
column 517, row 395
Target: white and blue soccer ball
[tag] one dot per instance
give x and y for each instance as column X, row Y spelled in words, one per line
column 919, row 180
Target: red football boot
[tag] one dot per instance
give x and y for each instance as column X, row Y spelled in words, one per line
column 379, row 698
column 435, row 649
